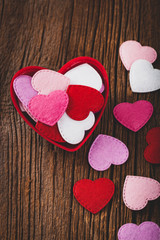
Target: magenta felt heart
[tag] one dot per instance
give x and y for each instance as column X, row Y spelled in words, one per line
column 23, row 89
column 48, row 109
column 133, row 115
column 130, row 51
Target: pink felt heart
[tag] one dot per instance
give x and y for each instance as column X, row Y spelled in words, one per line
column 47, row 81
column 107, row 150
column 23, row 89
column 49, row 109
column 137, row 191
column 130, row 51
column 133, row 115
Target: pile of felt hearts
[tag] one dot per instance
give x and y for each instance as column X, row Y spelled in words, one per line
column 138, row 59
column 63, row 107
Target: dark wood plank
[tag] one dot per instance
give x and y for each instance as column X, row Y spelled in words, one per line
column 36, row 178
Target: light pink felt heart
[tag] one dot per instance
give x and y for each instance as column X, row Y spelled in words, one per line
column 137, row 191
column 130, row 51
column 49, row 109
column 47, row 81
column 133, row 115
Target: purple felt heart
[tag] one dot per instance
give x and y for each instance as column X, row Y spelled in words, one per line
column 23, row 89
column 107, row 150
column 145, row 231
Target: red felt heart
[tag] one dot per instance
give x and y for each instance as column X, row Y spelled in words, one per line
column 152, row 151
column 82, row 100
column 50, row 132
column 93, row 195
column 68, row 66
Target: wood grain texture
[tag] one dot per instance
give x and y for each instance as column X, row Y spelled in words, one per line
column 36, row 178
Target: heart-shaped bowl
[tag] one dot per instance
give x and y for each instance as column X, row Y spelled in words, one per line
column 68, row 66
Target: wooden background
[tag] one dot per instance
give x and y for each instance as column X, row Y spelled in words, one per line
column 36, row 178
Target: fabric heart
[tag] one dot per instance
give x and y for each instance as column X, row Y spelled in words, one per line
column 47, row 81
column 152, row 151
column 49, row 109
column 82, row 100
column 137, row 191
column 50, row 132
column 153, row 135
column 143, row 77
column 146, row 230
column 130, row 51
column 93, row 195
column 86, row 75
column 133, row 115
column 107, row 150
column 23, row 89
column 73, row 131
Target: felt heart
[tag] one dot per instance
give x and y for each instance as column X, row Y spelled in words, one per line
column 47, row 81
column 146, row 230
column 137, row 191
column 73, row 131
column 68, row 66
column 23, row 89
column 50, row 132
column 133, row 115
column 152, row 151
column 130, row 51
column 48, row 109
column 107, row 150
column 86, row 75
column 93, row 195
column 143, row 77
column 82, row 100
column 153, row 135
column 21, row 106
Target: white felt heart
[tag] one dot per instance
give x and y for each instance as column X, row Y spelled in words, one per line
column 73, row 131
column 143, row 77
column 85, row 75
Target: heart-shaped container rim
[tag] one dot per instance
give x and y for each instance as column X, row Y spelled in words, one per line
column 31, row 70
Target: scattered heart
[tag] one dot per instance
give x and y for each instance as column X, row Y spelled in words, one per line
column 133, row 115
column 93, row 195
column 130, row 51
column 146, row 230
column 137, row 191
column 152, row 151
column 143, row 77
column 82, row 100
column 47, row 81
column 107, row 150
column 48, row 109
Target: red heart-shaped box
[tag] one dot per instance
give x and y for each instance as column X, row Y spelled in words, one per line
column 68, row 66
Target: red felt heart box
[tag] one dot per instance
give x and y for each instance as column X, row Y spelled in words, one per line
column 68, row 66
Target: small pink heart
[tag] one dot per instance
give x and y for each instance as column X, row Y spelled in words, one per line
column 137, row 191
column 48, row 109
column 133, row 115
column 46, row 81
column 130, row 51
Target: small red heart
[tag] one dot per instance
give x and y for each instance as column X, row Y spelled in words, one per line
column 82, row 100
column 93, row 195
column 68, row 66
column 51, row 132
column 152, row 151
